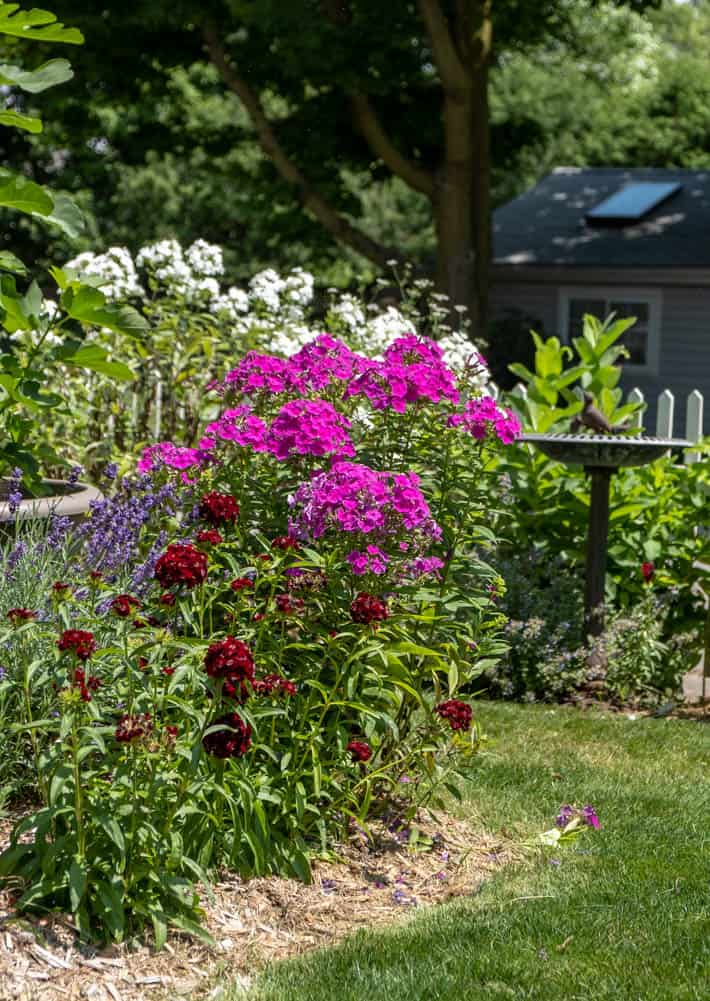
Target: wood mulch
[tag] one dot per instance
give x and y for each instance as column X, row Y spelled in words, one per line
column 373, row 882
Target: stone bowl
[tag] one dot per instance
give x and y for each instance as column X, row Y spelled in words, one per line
column 603, row 450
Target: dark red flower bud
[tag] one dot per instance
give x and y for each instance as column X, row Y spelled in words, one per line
column 229, row 657
column 241, row 583
column 123, row 605
column 368, row 608
column 647, row 571
column 359, row 750
column 19, row 615
column 228, row 743
column 209, row 537
column 458, row 713
column 167, row 599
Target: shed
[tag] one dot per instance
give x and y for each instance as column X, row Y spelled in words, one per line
column 633, row 241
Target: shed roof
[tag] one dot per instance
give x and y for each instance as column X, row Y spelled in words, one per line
column 547, row 225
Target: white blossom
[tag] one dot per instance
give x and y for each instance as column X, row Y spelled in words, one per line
column 205, row 259
column 114, row 270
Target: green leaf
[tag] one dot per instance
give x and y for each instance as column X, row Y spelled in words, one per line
column 95, row 359
column 8, row 262
column 49, row 74
column 67, row 215
column 89, row 305
column 37, row 25
column 16, row 192
column 15, row 120
column 77, row 884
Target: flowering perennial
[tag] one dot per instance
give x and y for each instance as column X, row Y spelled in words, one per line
column 359, row 750
column 368, row 608
column 458, row 713
column 123, row 605
column 181, row 565
column 482, row 417
column 229, row 657
column 219, row 509
column 79, row 642
column 231, row 741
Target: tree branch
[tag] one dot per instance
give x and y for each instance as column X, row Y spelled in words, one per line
column 452, row 71
column 336, row 224
column 383, row 147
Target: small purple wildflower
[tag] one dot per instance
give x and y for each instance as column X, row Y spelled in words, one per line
column 74, row 474
column 566, row 814
column 589, row 816
column 15, row 492
column 111, row 471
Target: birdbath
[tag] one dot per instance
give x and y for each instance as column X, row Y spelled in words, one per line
column 601, row 455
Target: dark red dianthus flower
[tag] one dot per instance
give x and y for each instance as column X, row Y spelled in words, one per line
column 219, row 509
column 85, row 684
column 359, row 750
column 272, row 684
column 19, row 615
column 167, row 599
column 368, row 608
column 288, row 605
column 123, row 605
column 458, row 713
column 228, row 743
column 229, row 658
column 60, row 588
column 181, row 564
column 647, row 571
column 241, row 583
column 285, row 542
column 209, row 537
column 133, row 727
column 79, row 642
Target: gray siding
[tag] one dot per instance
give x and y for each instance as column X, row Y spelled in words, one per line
column 684, row 361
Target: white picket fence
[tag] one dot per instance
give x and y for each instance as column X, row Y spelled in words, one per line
column 665, row 413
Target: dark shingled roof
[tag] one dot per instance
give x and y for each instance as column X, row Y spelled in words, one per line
column 546, row 225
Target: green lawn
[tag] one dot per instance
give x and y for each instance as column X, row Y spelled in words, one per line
column 626, row 913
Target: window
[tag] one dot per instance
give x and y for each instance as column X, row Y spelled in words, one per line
column 633, row 202
column 641, row 340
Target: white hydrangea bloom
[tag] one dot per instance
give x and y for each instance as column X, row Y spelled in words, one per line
column 114, row 269
column 349, row 311
column 205, row 259
column 265, row 288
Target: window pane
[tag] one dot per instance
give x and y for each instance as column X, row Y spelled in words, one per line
column 577, row 309
column 636, row 337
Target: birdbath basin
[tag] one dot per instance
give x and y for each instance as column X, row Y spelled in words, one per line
column 601, row 455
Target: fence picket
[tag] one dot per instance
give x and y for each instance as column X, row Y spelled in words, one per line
column 664, row 414
column 636, row 396
column 694, row 422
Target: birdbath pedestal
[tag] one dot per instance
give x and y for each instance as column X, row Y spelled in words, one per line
column 601, row 455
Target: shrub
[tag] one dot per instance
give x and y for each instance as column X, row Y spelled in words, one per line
column 308, row 600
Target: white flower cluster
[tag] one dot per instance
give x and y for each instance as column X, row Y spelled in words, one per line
column 461, row 355
column 273, row 311
column 115, row 271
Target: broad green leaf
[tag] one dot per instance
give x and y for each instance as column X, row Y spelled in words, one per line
column 67, row 215
column 49, row 74
column 89, row 305
column 17, row 192
column 95, row 359
column 77, row 884
column 8, row 262
column 37, row 25
column 14, row 120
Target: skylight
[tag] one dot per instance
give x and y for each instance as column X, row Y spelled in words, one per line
column 632, row 202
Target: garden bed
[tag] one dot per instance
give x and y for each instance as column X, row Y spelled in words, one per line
column 371, row 883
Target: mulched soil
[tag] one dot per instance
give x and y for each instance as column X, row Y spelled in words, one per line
column 373, row 882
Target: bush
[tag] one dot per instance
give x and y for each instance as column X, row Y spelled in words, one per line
column 306, row 605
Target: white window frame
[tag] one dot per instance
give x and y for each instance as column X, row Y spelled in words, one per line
column 652, row 297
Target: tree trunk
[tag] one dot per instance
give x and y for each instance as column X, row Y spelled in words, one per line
column 481, row 223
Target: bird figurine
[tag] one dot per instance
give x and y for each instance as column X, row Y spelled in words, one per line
column 591, row 417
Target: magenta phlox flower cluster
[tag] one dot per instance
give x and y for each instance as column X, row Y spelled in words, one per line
column 412, row 370
column 241, row 426
column 257, row 373
column 324, row 360
column 425, row 566
column 165, row 453
column 353, row 498
column 371, row 559
column 482, row 417
column 309, row 427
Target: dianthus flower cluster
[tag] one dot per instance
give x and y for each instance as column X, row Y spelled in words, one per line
column 458, row 713
column 274, row 684
column 80, row 642
column 86, row 684
column 354, row 498
column 132, row 728
column 231, row 741
column 285, row 542
column 229, row 657
column 413, row 369
column 123, row 605
column 368, row 608
column 288, row 605
column 219, row 509
column 241, row 583
column 359, row 750
column 181, row 565
column 647, row 572
column 483, row 418
column 209, row 537
column 19, row 615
